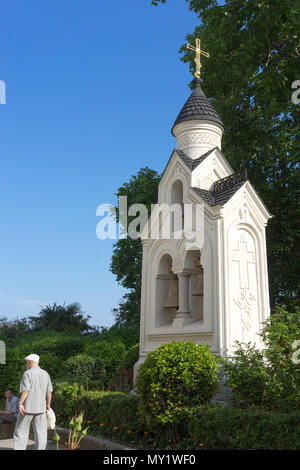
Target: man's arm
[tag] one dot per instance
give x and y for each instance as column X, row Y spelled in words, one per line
column 49, row 396
column 23, row 397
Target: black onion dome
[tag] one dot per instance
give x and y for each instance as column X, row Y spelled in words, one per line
column 198, row 107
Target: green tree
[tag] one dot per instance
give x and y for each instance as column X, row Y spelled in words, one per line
column 13, row 329
column 254, row 51
column 126, row 261
column 61, row 318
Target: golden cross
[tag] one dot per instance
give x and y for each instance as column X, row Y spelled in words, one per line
column 197, row 59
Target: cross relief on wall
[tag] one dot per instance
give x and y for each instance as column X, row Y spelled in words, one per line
column 243, row 256
column 245, row 299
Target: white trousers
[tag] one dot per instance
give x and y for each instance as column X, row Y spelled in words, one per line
column 39, row 424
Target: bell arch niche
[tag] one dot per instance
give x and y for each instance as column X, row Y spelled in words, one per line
column 166, row 286
column 176, row 197
column 193, row 266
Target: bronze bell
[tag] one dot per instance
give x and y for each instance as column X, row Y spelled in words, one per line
column 172, row 295
column 199, row 284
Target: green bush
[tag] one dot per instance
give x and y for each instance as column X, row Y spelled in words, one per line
column 111, row 353
column 83, row 367
column 65, row 396
column 128, row 336
column 63, row 345
column 55, row 349
column 176, row 374
column 11, row 372
column 268, row 378
column 228, row 428
column 52, row 364
column 103, row 411
column 122, row 379
column 131, row 357
column 115, row 415
column 80, row 366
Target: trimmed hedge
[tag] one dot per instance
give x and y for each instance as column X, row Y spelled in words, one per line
column 103, row 411
column 115, row 415
column 228, row 428
column 58, row 350
column 175, row 375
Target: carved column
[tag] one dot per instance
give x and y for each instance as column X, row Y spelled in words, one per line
column 184, row 295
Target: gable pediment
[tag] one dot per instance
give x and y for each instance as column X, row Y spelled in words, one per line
column 211, row 169
column 247, row 203
column 176, row 169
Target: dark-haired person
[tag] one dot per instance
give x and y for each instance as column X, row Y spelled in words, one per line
column 10, row 415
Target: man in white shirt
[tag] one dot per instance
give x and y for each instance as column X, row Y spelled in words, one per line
column 10, row 415
column 36, row 393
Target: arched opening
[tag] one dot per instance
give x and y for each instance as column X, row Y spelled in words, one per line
column 166, row 292
column 177, row 217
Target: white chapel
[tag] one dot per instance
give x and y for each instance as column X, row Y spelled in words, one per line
column 215, row 292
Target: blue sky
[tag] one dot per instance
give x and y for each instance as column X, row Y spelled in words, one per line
column 93, row 89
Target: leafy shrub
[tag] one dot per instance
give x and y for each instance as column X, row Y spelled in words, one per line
column 83, row 367
column 65, row 397
column 55, row 348
column 63, row 345
column 115, row 415
column 281, row 329
column 176, row 374
column 131, row 357
column 103, row 411
column 80, row 366
column 228, row 428
column 111, row 353
column 52, row 364
column 122, row 379
column 13, row 329
column 268, row 378
column 128, row 336
column 11, row 372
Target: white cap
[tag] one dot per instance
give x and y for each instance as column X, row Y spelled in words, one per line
column 33, row 358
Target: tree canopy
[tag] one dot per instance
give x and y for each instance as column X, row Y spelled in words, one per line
column 126, row 261
column 61, row 318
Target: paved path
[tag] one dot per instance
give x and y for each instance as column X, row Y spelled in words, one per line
column 8, row 444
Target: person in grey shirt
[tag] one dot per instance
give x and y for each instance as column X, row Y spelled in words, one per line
column 10, row 415
column 36, row 393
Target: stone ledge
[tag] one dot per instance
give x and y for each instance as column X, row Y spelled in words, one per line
column 7, row 430
column 91, row 442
